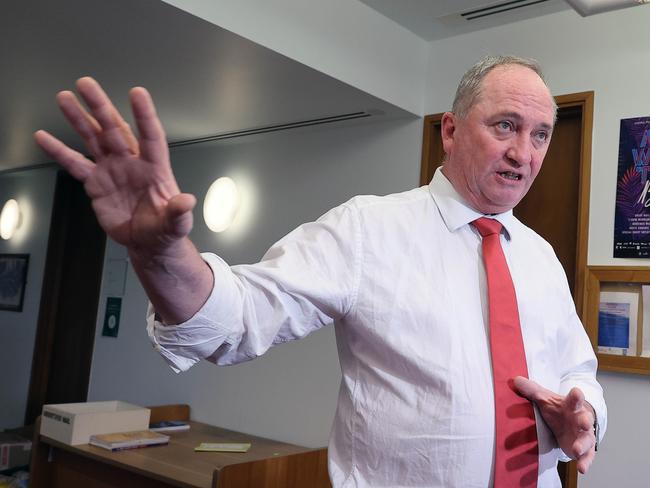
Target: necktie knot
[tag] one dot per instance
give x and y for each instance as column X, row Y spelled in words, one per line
column 487, row 226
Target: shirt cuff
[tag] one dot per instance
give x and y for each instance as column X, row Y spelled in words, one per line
column 185, row 344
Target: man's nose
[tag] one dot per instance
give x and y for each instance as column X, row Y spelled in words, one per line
column 520, row 150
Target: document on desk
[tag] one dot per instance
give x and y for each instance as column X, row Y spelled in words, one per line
column 223, row 447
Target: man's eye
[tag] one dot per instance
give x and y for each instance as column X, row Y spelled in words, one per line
column 505, row 125
column 542, row 136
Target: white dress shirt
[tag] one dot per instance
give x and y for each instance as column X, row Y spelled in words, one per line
column 402, row 278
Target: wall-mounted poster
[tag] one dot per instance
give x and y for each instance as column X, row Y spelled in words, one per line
column 632, row 220
column 13, row 278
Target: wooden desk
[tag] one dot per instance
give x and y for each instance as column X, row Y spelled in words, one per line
column 268, row 463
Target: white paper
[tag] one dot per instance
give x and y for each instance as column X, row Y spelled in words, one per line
column 622, row 308
column 115, row 277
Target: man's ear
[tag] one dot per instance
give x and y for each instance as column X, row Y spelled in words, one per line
column 447, row 131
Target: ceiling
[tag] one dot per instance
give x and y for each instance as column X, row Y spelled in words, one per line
column 205, row 80
column 438, row 19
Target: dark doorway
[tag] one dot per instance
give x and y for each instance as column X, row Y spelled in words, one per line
column 68, row 310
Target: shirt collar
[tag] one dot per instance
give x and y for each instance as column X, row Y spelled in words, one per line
column 455, row 211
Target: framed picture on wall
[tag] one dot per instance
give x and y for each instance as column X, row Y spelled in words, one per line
column 13, row 278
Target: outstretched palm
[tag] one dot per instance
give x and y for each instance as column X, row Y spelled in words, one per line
column 131, row 185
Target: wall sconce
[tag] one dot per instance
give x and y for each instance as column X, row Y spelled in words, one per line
column 221, row 204
column 9, row 219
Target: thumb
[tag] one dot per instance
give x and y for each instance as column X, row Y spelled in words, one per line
column 178, row 218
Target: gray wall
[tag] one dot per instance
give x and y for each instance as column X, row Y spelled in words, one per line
column 287, row 178
column 34, row 191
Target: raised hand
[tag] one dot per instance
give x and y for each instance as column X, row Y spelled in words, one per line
column 570, row 418
column 133, row 191
column 135, row 195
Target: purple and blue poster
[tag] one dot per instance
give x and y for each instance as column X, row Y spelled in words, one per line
column 632, row 220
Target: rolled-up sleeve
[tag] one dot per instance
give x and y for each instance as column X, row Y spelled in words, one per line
column 305, row 281
column 185, row 344
column 580, row 365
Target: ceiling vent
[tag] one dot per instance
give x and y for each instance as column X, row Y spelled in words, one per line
column 499, row 8
column 492, row 14
column 591, row 7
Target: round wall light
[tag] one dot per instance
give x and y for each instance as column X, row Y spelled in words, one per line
column 221, row 204
column 9, row 219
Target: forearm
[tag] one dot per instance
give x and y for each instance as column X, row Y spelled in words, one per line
column 177, row 282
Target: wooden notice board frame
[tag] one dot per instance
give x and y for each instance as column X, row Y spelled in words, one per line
column 615, row 278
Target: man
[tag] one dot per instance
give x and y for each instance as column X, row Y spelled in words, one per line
column 401, row 276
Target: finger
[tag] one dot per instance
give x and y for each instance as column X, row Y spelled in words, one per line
column 129, row 136
column 584, row 463
column 153, row 141
column 529, row 389
column 81, row 121
column 584, row 421
column 117, row 137
column 76, row 163
column 179, row 218
column 575, row 400
column 583, row 441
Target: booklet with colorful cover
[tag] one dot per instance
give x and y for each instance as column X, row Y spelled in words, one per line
column 128, row 440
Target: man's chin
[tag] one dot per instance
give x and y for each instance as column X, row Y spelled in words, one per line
column 496, row 207
column 504, row 201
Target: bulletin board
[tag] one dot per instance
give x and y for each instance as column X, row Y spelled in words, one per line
column 617, row 317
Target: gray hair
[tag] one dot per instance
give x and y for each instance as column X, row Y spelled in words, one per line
column 469, row 89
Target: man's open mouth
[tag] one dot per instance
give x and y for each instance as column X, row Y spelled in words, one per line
column 509, row 175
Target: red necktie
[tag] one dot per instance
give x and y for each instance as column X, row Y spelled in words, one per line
column 516, row 453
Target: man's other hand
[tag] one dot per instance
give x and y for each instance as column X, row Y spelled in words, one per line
column 570, row 418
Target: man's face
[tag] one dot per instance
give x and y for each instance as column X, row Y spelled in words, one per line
column 495, row 152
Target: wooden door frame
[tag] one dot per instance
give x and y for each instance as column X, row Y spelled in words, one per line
column 585, row 102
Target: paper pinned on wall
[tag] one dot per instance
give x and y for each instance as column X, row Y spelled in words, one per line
column 645, row 344
column 617, row 323
column 115, row 277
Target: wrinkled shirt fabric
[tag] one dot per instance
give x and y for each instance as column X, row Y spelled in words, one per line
column 402, row 279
